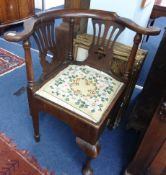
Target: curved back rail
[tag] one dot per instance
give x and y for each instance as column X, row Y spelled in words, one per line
column 107, row 26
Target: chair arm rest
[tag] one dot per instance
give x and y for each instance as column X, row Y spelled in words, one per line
column 13, row 36
column 142, row 30
column 30, row 23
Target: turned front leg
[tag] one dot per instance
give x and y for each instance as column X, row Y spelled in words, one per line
column 91, row 152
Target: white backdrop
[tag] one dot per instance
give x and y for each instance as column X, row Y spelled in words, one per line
column 126, row 8
column 48, row 3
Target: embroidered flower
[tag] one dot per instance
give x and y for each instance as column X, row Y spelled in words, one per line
column 84, row 88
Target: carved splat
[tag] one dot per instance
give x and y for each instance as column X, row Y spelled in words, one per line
column 44, row 36
column 45, row 39
column 105, row 33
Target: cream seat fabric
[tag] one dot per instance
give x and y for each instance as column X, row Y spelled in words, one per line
column 83, row 90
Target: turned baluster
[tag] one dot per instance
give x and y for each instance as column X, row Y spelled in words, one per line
column 71, row 36
column 137, row 40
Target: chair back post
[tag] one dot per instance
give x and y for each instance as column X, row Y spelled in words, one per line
column 29, row 65
column 71, row 36
column 131, row 60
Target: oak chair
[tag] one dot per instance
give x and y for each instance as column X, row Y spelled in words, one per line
column 80, row 93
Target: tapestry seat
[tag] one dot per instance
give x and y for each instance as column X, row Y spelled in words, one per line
column 83, row 90
column 85, row 94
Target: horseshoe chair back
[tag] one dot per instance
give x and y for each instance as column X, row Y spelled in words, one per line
column 80, row 93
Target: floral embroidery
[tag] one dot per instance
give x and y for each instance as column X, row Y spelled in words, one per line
column 89, row 87
column 84, row 88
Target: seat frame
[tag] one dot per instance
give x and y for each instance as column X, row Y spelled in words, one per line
column 87, row 132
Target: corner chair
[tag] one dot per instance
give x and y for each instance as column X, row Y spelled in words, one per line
column 80, row 93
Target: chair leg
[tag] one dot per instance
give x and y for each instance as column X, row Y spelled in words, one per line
column 86, row 169
column 35, row 119
column 30, row 100
column 34, row 113
column 91, row 152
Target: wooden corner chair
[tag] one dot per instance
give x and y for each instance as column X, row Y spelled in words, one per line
column 80, row 93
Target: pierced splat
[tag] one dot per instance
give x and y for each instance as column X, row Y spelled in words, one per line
column 44, row 36
column 45, row 39
column 100, row 53
column 105, row 33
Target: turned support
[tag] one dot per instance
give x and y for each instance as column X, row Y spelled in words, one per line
column 30, row 77
column 29, row 64
column 131, row 59
column 91, row 152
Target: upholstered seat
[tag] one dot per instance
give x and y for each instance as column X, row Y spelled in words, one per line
column 85, row 94
column 83, row 90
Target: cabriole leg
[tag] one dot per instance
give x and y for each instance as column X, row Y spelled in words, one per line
column 87, row 169
column 91, row 152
